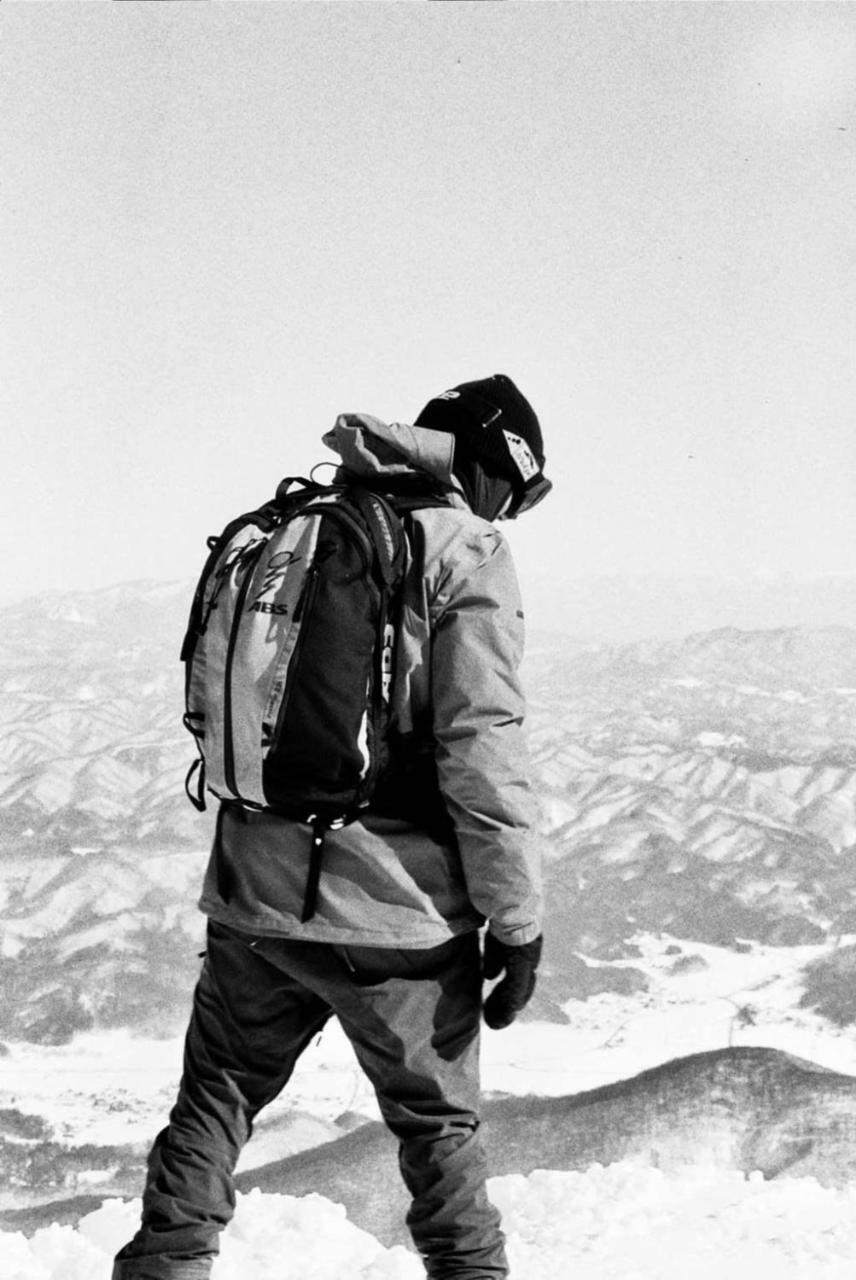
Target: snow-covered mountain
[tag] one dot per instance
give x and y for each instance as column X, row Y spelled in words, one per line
column 91, row 722
column 704, row 787
column 100, row 852
column 699, row 799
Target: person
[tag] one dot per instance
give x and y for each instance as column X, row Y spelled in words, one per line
column 448, row 845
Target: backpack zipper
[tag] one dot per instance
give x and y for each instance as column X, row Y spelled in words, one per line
column 304, row 603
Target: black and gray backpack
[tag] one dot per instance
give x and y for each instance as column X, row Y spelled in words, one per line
column 289, row 656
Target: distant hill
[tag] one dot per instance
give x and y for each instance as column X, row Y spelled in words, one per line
column 749, row 1108
column 704, row 786
column 623, row 609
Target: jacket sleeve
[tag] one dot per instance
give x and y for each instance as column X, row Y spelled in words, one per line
column 481, row 753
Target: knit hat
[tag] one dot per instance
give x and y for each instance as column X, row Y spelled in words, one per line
column 496, row 429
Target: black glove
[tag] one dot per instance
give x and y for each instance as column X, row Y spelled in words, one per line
column 520, row 964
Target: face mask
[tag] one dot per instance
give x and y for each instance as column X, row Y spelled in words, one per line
column 488, row 496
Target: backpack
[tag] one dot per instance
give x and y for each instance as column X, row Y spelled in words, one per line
column 289, row 656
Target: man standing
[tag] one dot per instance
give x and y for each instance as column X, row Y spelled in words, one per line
column 447, row 845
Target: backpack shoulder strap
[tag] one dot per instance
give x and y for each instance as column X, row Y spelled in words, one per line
column 284, row 500
column 386, row 531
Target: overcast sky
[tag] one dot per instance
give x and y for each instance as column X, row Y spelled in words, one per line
column 224, row 224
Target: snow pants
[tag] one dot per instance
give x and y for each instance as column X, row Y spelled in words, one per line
column 413, row 1018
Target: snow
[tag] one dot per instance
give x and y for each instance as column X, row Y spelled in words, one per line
column 618, row 1223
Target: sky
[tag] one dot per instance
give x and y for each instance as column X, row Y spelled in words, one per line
column 223, row 224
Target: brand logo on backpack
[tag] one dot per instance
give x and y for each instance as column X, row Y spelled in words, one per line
column 276, row 571
column 268, row 606
column 386, row 661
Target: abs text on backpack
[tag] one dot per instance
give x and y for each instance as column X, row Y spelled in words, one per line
column 289, row 654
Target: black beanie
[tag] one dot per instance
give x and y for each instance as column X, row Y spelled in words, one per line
column 494, row 425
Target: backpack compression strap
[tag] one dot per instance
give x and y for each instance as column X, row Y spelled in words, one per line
column 313, row 878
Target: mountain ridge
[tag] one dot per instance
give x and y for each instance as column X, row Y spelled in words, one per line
column 704, row 787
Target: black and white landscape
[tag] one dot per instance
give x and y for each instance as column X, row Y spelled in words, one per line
column 699, row 798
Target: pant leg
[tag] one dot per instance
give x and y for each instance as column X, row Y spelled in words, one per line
column 250, row 1023
column 425, row 1070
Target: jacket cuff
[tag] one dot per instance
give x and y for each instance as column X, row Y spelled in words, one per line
column 516, row 937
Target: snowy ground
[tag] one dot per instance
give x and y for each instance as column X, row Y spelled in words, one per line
column 606, row 1224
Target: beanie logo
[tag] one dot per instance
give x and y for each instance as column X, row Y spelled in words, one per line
column 521, row 455
column 449, row 395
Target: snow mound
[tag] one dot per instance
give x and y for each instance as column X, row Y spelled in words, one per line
column 626, row 1223
column 616, row 1223
column 312, row 1232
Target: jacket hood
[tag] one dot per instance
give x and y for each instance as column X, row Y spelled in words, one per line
column 370, row 447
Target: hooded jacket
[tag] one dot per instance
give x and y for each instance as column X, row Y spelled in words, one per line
column 399, row 881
